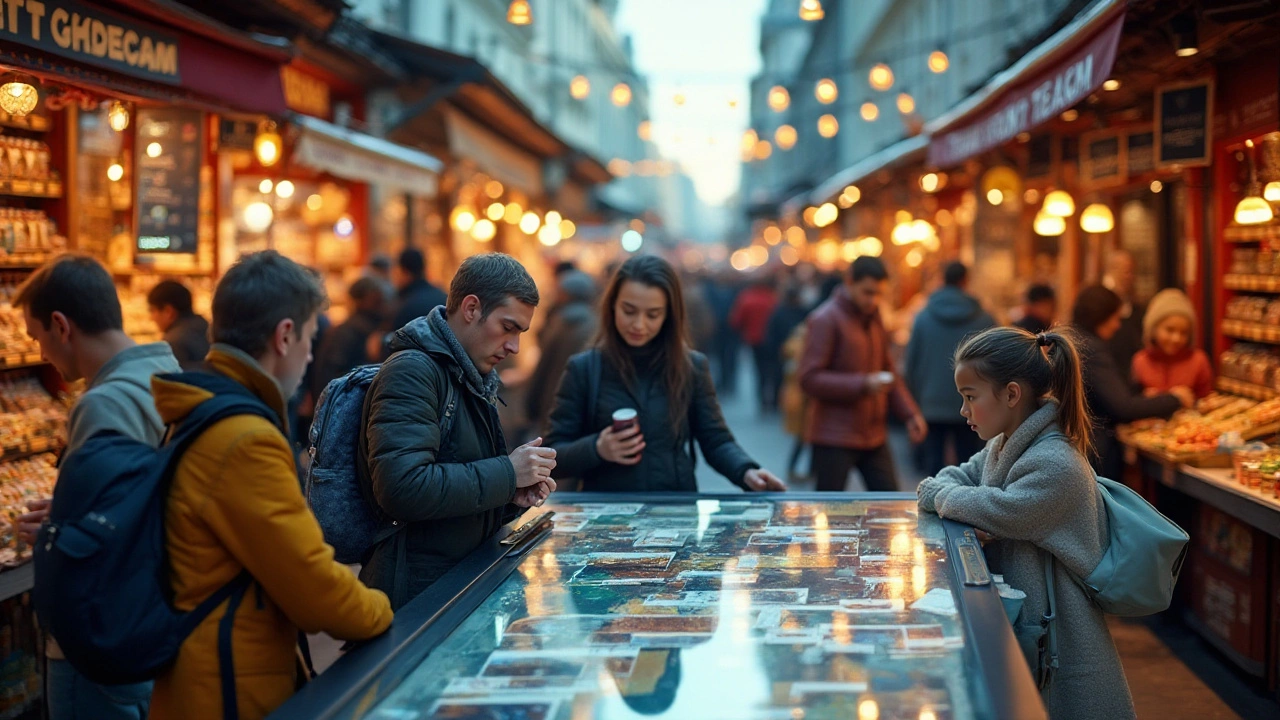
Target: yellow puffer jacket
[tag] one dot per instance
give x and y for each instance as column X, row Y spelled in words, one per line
column 236, row 504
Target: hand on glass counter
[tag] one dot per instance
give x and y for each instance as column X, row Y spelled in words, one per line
column 761, row 480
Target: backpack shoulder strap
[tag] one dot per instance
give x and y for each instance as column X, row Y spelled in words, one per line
column 450, row 409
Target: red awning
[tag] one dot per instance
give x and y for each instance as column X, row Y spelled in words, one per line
column 1052, row 78
column 245, row 82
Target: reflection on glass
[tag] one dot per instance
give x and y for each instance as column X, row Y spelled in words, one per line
column 755, row 610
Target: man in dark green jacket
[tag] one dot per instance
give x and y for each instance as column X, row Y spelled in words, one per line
column 451, row 493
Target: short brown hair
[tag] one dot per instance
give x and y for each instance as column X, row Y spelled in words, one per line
column 492, row 277
column 77, row 286
column 257, row 293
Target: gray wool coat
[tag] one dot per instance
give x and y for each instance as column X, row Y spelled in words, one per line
column 1038, row 494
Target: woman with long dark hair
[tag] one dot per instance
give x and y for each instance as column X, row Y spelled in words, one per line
column 642, row 365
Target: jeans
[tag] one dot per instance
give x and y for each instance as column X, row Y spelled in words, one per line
column 934, row 448
column 768, row 375
column 831, row 466
column 72, row 697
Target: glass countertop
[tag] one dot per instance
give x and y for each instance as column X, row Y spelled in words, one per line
column 742, row 610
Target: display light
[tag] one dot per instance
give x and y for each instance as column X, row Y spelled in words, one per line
column 1111, row 85
column 871, row 246
column 995, row 196
column 740, row 260
column 1271, row 193
column 1186, row 41
column 763, row 150
column 826, row 91
column 493, row 189
column 18, row 97
column 552, row 218
column 870, row 112
column 644, row 130
column 939, row 62
column 1049, row 225
column 154, row 150
column 915, row 258
column 1157, row 186
column 115, row 172
column 772, row 235
column 809, row 214
column 484, row 230
column 549, row 235
column 118, row 116
column 901, row 234
column 1060, row 203
column 828, row 126
column 345, row 227
column 1253, row 210
column 285, row 189
column 785, row 136
column 632, row 240
column 315, row 202
column 795, row 236
column 495, row 211
column 529, row 223
column 619, row 168
column 265, row 186
column 258, row 216
column 580, row 87
column 825, row 215
column 811, row 10
column 851, row 195
column 789, row 256
column 513, row 213
column 1097, row 218
column 880, row 77
column 462, row 220
column 519, row 13
column 929, row 182
column 567, row 229
column 779, row 98
column 1070, row 115
column 749, row 140
column 267, row 145
column 621, row 95
column 906, row 104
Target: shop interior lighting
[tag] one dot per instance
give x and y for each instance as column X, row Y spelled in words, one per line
column 529, row 223
column 18, row 97
column 929, row 182
column 495, row 211
column 764, row 149
column 462, row 220
column 484, row 230
column 115, row 172
column 519, row 13
column 1253, row 209
column 1111, row 85
column 1031, row 196
column 1097, row 218
column 644, row 130
column 785, row 137
column 1070, row 115
column 772, row 235
column 285, row 189
column 631, row 241
column 870, row 112
column 621, row 95
column 567, row 229
column 549, row 235
column 906, row 104
column 118, row 116
column 811, row 10
column 995, row 196
column 154, row 150
column 1060, row 203
column 826, row 91
column 345, row 227
column 779, row 98
column 552, row 218
column 1157, row 186
column 1271, row 193
column 580, row 87
column 493, row 189
column 258, row 216
column 828, row 126
column 679, row 99
column 267, row 145
column 265, row 186
column 880, row 77
column 939, row 62
column 914, row 259
column 852, row 194
column 513, row 213
column 315, row 202
column 1049, row 225
column 825, row 215
column 1186, row 40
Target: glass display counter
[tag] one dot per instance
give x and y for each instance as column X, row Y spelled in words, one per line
column 780, row 607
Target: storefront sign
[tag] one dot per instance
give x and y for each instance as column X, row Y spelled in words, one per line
column 170, row 151
column 1027, row 102
column 1102, row 159
column 1140, row 151
column 81, row 32
column 1247, row 96
column 304, row 93
column 1183, row 119
column 236, row 134
column 1042, row 153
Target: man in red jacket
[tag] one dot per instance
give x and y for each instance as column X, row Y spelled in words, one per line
column 847, row 372
column 750, row 317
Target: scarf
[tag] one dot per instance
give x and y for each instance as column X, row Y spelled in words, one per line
column 484, row 386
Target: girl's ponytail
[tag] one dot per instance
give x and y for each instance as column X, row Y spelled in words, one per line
column 1067, row 386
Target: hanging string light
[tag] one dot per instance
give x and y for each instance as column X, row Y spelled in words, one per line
column 828, row 126
column 749, row 140
column 115, row 172
column 763, row 150
column 580, row 87
column 906, row 104
column 519, row 13
column 779, row 98
column 826, row 91
column 679, row 99
column 849, row 197
column 939, row 62
column 880, row 77
column 811, row 10
column 785, row 136
column 870, row 112
column 621, row 95
column 118, row 116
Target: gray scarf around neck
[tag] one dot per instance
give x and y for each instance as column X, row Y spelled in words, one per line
column 484, row 386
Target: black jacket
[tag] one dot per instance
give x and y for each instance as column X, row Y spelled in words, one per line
column 343, row 349
column 949, row 316
column 189, row 338
column 416, row 300
column 667, row 464
column 1112, row 401
column 1128, row 341
column 450, row 493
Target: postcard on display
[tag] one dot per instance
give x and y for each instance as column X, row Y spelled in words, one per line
column 509, row 684
column 726, row 577
column 631, row 560
column 712, row 598
column 501, row 708
column 653, row 641
column 787, row 562
column 598, row 510
column 674, row 522
column 532, row 664
column 570, row 523
column 797, row 636
column 662, row 539
column 800, row 689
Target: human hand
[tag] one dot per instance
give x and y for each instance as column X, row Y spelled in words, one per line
column 534, row 495
column 29, row 522
column 1184, row 394
column 917, row 429
column 1150, row 392
column 622, row 448
column 879, row 382
column 533, row 463
column 760, row 480
column 984, row 537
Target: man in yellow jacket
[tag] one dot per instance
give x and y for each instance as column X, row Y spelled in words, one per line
column 236, row 505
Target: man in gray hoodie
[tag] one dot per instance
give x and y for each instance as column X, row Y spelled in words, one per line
column 72, row 312
column 950, row 315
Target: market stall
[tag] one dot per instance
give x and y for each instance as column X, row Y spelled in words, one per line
column 700, row 606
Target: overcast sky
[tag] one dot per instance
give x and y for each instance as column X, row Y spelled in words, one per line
column 707, row 50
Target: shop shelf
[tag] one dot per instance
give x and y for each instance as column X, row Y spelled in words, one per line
column 1251, row 233
column 1251, row 331
column 1246, row 389
column 15, row 581
column 38, row 123
column 48, row 190
column 1252, row 283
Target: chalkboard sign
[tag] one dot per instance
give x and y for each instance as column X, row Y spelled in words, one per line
column 169, row 153
column 1184, row 116
column 1041, row 152
column 1102, row 159
column 1141, row 149
column 236, row 134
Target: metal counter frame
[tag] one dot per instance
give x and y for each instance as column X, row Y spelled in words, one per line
column 358, row 681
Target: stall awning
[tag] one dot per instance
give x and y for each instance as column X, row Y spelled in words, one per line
column 1055, row 76
column 355, row 156
column 494, row 155
column 913, row 148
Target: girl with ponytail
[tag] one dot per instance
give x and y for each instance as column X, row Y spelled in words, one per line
column 1034, row 498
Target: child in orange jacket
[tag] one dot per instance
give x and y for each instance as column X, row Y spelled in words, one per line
column 1169, row 359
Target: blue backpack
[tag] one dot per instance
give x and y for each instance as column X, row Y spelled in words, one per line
column 351, row 521
column 101, row 562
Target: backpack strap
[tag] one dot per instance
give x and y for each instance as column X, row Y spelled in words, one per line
column 1051, row 620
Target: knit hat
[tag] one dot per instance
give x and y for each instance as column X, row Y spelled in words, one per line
column 1167, row 303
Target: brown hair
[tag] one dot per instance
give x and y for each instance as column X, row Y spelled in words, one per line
column 654, row 272
column 493, row 278
column 1048, row 363
column 77, row 286
column 258, row 292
